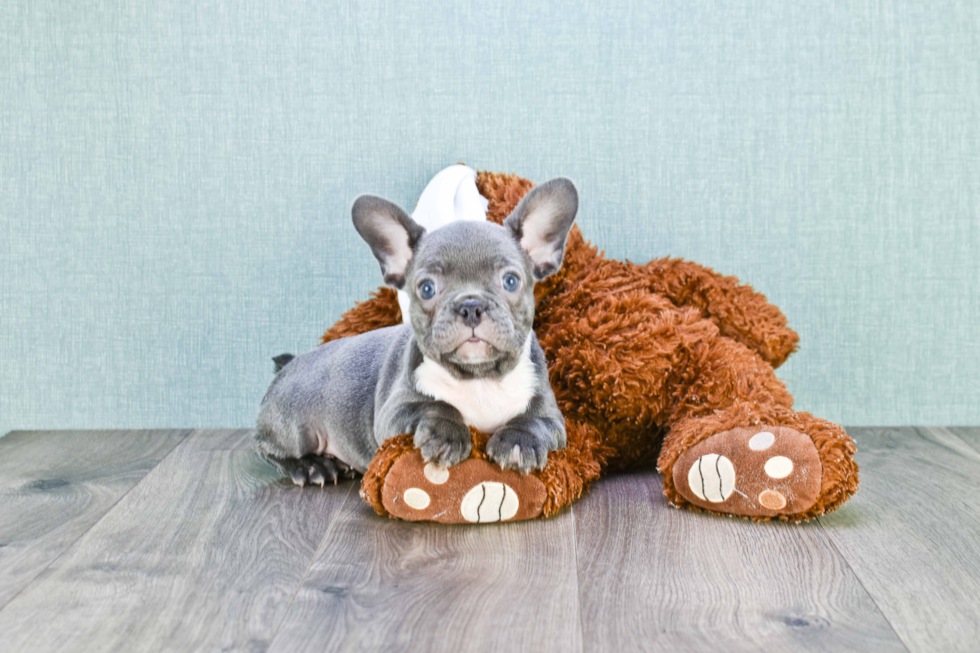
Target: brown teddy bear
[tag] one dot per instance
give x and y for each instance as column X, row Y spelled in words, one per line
column 666, row 361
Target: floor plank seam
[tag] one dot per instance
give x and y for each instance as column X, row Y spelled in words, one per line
column 309, row 567
column 968, row 443
column 949, row 431
column 860, row 582
column 578, row 584
column 68, row 548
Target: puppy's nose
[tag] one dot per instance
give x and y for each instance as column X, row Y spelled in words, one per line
column 471, row 311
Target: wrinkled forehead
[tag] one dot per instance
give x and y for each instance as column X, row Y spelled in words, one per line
column 468, row 249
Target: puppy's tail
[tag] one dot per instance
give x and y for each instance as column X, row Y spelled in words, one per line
column 282, row 360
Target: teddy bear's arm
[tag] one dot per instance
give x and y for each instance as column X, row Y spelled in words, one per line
column 381, row 310
column 740, row 312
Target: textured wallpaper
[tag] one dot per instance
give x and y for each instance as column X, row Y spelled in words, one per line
column 175, row 180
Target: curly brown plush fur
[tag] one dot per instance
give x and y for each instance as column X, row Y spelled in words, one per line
column 646, row 361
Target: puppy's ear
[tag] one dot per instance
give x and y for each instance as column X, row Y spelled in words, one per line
column 541, row 222
column 390, row 232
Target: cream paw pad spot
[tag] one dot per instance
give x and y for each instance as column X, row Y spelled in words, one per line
column 712, row 478
column 489, row 501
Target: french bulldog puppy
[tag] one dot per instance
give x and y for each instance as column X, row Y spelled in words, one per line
column 467, row 358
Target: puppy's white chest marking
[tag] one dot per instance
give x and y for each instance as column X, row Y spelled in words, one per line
column 484, row 403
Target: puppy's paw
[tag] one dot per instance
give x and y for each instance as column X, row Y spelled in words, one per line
column 442, row 441
column 311, row 470
column 517, row 449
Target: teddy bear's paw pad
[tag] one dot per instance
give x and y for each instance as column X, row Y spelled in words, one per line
column 757, row 471
column 473, row 492
column 489, row 501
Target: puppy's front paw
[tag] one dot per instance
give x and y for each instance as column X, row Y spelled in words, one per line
column 513, row 448
column 442, row 441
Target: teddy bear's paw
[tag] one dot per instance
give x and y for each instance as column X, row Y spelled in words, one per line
column 475, row 491
column 755, row 471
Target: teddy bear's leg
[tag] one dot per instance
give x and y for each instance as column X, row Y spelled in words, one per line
column 736, row 446
column 740, row 312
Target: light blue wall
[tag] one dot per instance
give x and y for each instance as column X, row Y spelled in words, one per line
column 175, row 178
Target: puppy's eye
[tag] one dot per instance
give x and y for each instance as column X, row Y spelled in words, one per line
column 427, row 289
column 511, row 282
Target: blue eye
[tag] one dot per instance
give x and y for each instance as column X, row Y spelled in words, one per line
column 511, row 282
column 427, row 289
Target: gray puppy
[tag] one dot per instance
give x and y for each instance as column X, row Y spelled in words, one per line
column 469, row 357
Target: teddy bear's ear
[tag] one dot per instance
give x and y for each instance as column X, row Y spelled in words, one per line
column 390, row 232
column 541, row 222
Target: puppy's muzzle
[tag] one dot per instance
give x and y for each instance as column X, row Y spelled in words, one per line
column 471, row 310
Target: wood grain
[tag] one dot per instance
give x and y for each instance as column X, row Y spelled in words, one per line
column 381, row 584
column 205, row 553
column 209, row 550
column 969, row 434
column 55, row 485
column 657, row 579
column 912, row 534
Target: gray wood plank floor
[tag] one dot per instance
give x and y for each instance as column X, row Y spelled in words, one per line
column 914, row 537
column 426, row 587
column 178, row 540
column 54, row 486
column 662, row 580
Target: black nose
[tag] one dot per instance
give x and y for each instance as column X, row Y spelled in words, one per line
column 471, row 311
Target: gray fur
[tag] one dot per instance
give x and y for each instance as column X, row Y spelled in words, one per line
column 328, row 410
